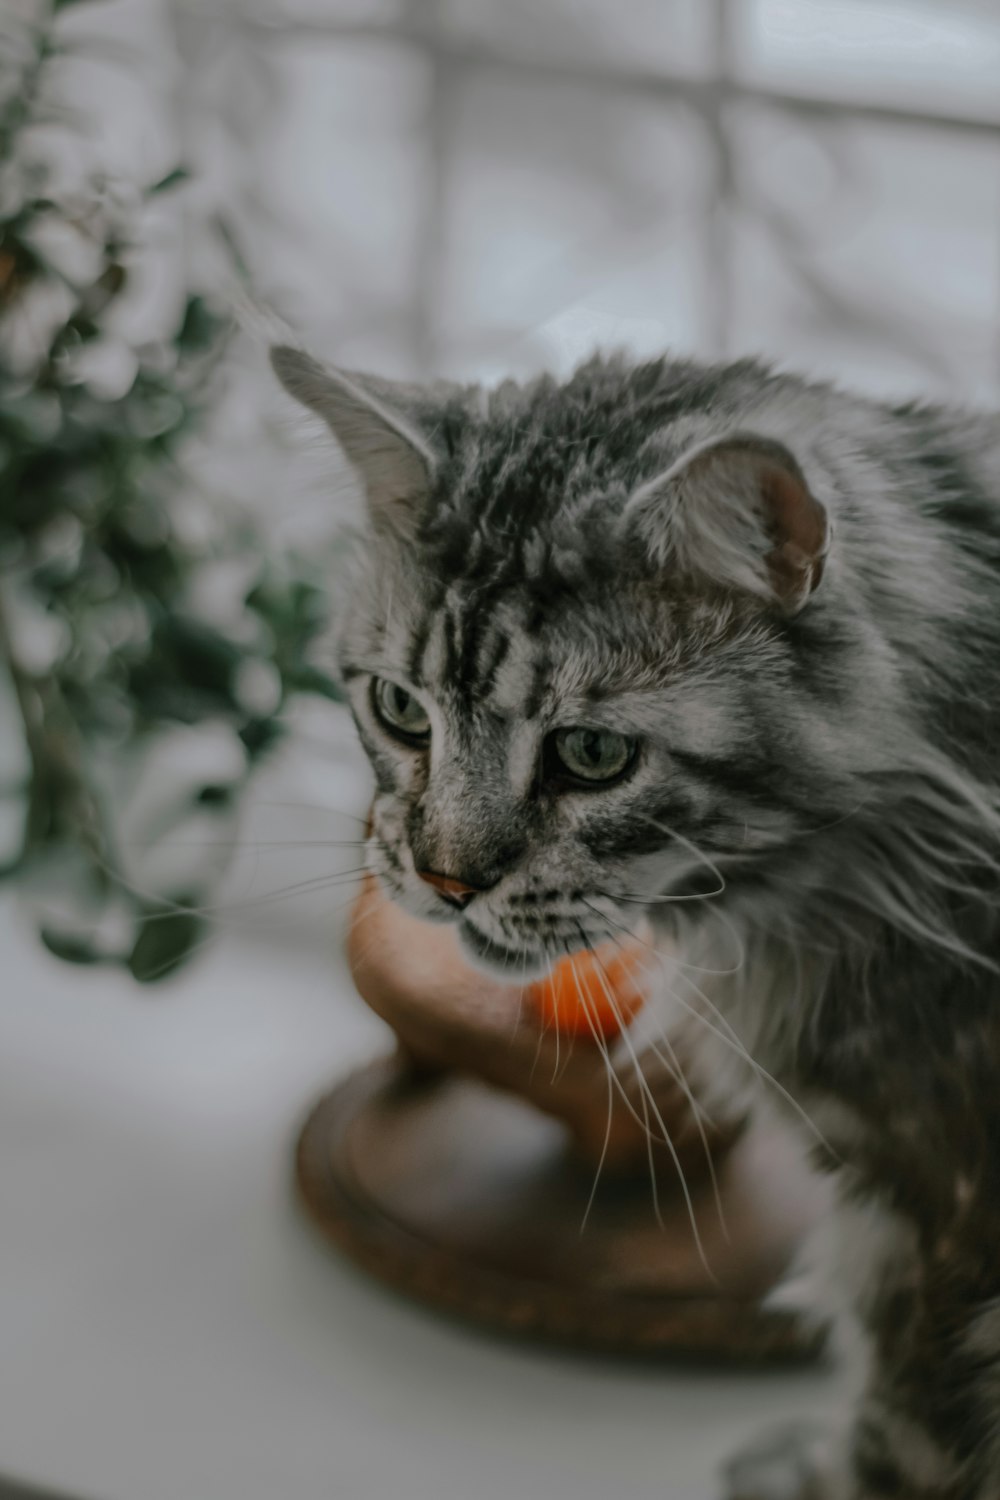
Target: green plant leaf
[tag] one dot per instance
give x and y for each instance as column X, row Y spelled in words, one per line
column 172, row 179
column 72, row 950
column 165, row 940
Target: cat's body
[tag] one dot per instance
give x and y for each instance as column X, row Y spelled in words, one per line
column 722, row 648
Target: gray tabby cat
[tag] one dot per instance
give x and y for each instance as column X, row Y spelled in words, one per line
column 720, row 648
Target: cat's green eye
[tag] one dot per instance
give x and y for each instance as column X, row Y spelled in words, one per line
column 400, row 712
column 594, row 755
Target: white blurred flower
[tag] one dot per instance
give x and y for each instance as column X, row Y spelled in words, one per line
column 106, row 367
column 257, row 686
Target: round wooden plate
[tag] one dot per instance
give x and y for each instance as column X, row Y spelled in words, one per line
column 470, row 1200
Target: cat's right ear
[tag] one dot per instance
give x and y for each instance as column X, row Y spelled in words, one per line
column 394, row 462
column 737, row 510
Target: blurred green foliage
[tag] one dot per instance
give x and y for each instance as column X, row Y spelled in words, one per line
column 104, row 632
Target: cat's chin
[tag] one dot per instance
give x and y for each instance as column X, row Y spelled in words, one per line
column 499, row 961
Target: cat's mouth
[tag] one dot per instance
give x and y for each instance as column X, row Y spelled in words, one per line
column 498, row 959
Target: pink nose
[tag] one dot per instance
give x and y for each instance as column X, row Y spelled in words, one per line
column 455, row 891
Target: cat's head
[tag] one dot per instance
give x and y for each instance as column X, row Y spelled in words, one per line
column 582, row 646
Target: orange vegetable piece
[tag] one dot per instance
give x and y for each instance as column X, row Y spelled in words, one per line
column 591, row 991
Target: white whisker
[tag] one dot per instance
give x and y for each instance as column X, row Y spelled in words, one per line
column 698, row 1113
column 608, row 1074
column 734, row 1042
column 646, row 1093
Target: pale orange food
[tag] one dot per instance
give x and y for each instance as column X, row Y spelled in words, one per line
column 594, row 991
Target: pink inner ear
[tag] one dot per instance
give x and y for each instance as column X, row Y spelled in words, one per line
column 800, row 529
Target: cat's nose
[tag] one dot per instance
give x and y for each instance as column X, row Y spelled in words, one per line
column 457, row 892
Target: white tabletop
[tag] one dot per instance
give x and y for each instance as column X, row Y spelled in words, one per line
column 170, row 1327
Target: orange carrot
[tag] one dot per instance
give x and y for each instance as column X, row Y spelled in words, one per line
column 591, row 991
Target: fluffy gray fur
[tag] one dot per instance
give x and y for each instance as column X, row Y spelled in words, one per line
column 787, row 599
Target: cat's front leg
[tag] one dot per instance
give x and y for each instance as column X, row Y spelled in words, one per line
column 908, row 1429
column 800, row 1461
column 884, row 1457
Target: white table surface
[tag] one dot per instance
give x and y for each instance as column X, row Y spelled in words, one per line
column 170, row 1328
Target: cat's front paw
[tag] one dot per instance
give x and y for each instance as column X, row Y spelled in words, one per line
column 797, row 1462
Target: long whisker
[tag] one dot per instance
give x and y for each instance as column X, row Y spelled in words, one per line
column 165, row 907
column 671, row 1063
column 698, row 1114
column 556, row 1028
column 608, row 1061
column 243, row 843
column 735, row 968
column 614, row 1081
column 686, row 843
column 664, row 900
column 645, row 1092
column 698, row 854
column 739, row 1048
column 608, row 1074
column 727, row 1034
column 699, row 1109
column 257, row 903
column 668, row 1140
column 515, row 1029
column 542, row 1031
column 150, row 976
column 650, row 1154
column 301, row 805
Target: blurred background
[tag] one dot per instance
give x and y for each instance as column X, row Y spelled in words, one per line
column 420, row 187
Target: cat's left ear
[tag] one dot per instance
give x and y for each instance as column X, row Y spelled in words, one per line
column 739, row 512
column 394, row 461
